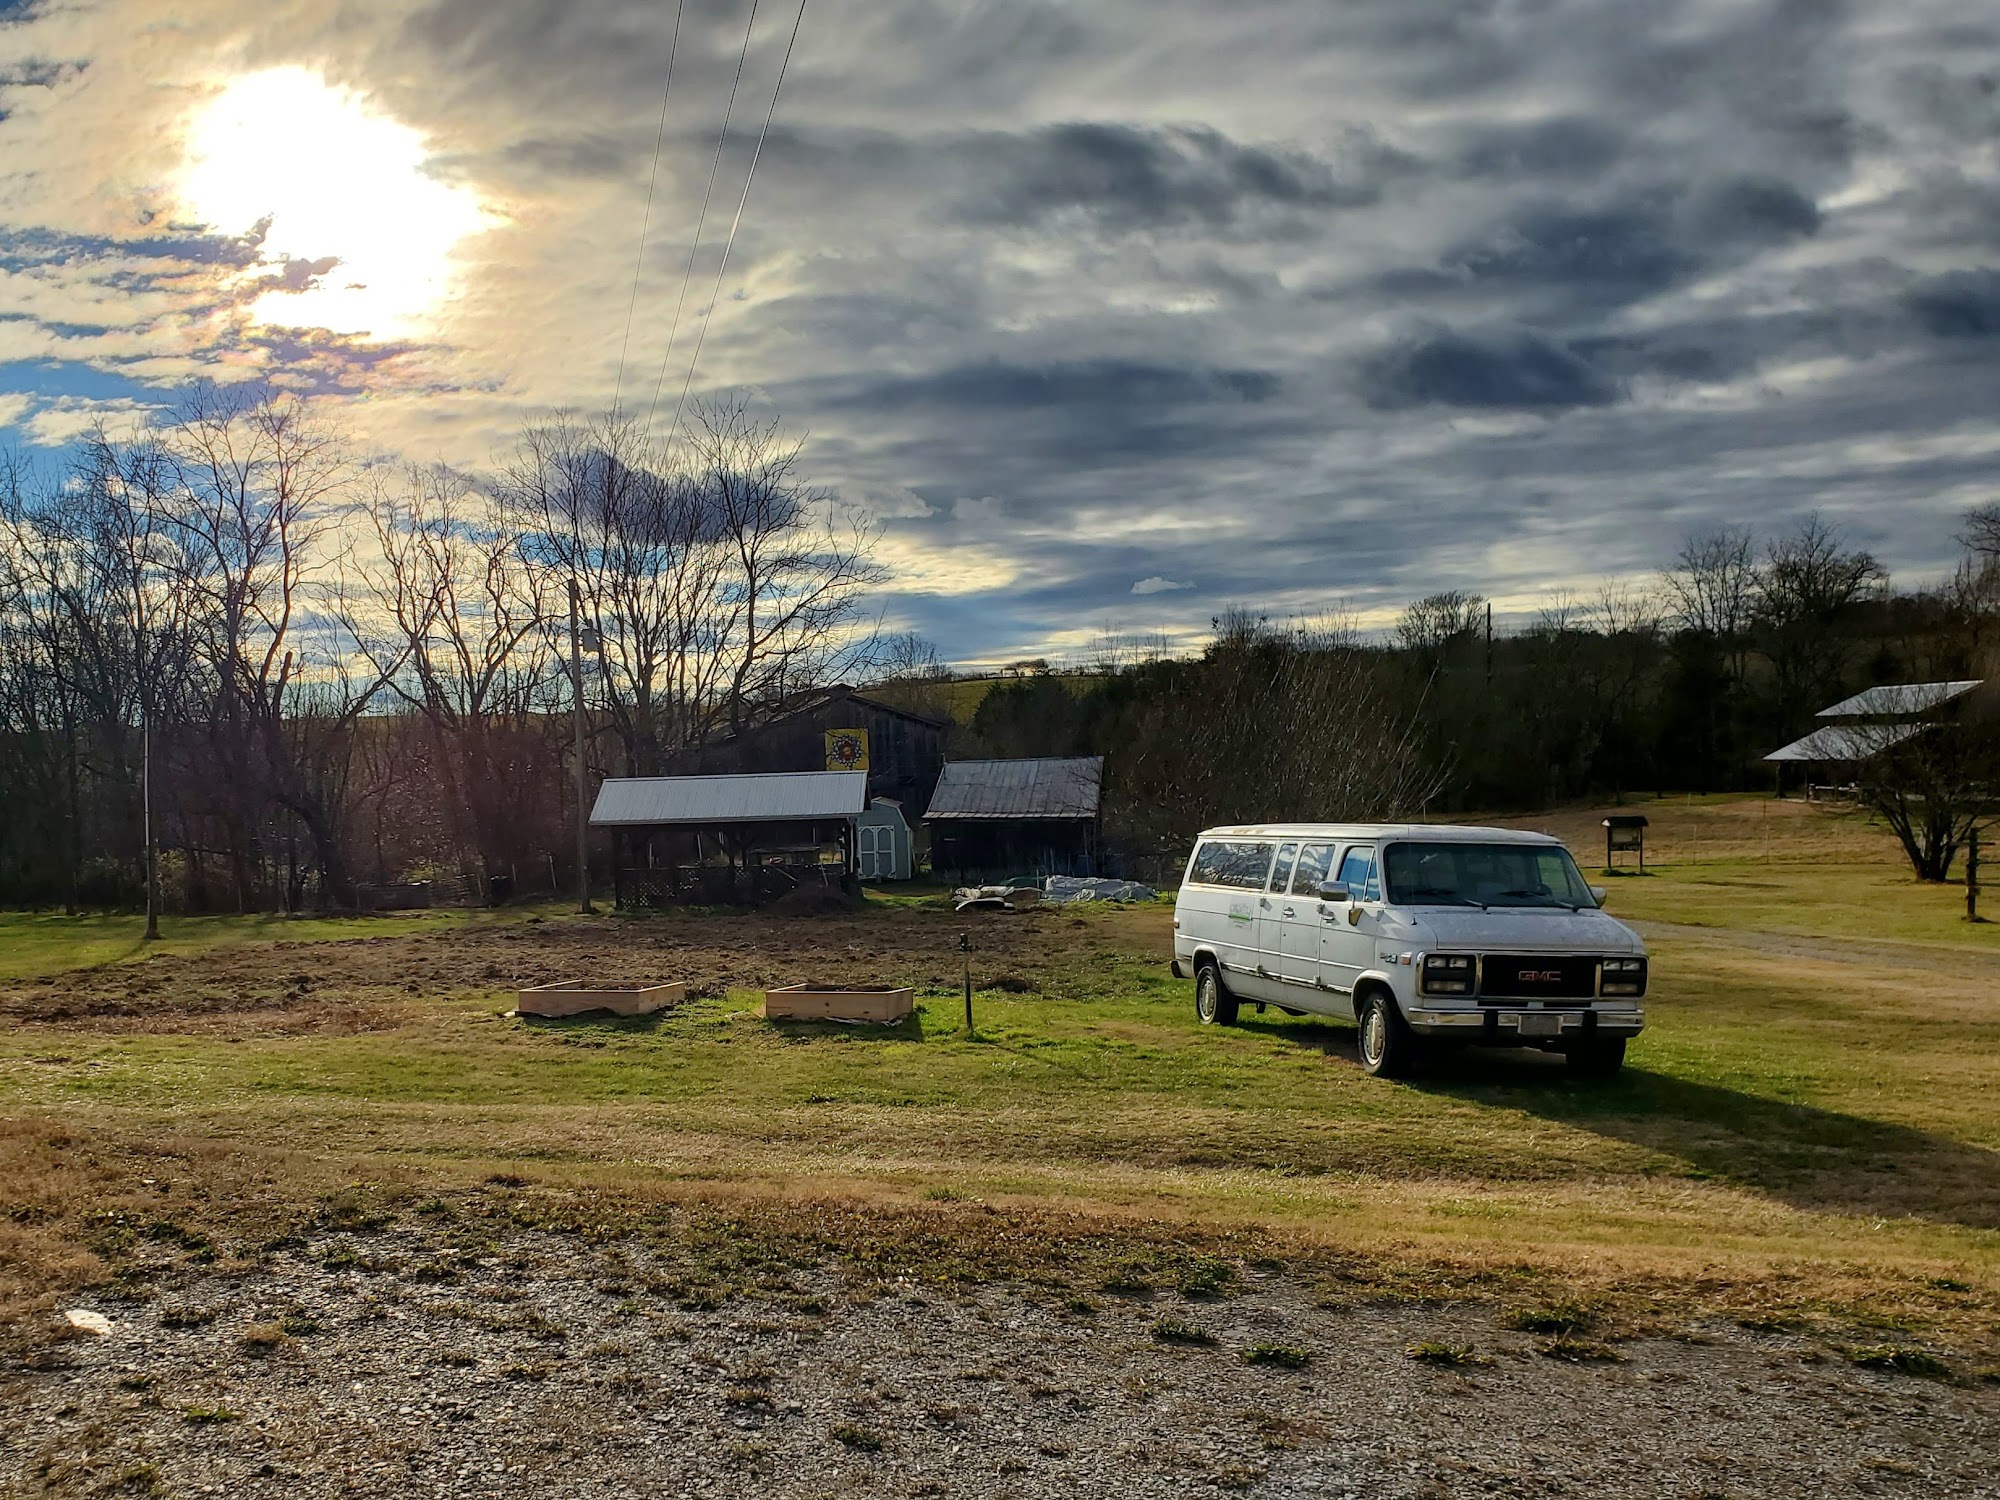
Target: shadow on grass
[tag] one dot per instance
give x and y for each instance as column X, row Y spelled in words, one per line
column 600, row 1024
column 909, row 1029
column 1800, row 1154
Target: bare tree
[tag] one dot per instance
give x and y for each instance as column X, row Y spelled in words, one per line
column 716, row 579
column 1808, row 583
column 796, row 567
column 1931, row 783
column 1432, row 623
column 250, row 510
column 1712, row 593
column 597, row 510
column 907, row 671
column 1981, row 534
column 454, row 620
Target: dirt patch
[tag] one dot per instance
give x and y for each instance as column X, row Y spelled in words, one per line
column 817, row 901
column 368, row 983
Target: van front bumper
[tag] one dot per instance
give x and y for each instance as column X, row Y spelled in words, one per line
column 1526, row 1025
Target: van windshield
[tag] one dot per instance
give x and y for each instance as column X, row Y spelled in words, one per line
column 1484, row 875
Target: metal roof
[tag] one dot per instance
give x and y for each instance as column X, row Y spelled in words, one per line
column 1897, row 698
column 1443, row 833
column 1050, row 788
column 777, row 797
column 1847, row 743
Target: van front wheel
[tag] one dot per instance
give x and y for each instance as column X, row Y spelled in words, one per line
column 1383, row 1039
column 1213, row 1005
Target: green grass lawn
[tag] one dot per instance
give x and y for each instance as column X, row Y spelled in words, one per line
column 1819, row 1128
column 1833, row 898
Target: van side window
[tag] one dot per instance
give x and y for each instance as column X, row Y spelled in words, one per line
column 1357, row 873
column 1231, row 862
column 1315, row 865
column 1281, row 870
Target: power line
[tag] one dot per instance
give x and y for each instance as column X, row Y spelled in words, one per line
column 702, row 218
column 735, row 223
column 646, row 223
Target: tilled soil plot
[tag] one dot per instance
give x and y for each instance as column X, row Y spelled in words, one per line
column 543, row 1368
column 356, row 984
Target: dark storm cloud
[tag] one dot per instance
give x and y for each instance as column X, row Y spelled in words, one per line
column 1616, row 254
column 1005, row 424
column 1963, row 305
column 1569, row 257
column 1123, row 177
column 1749, row 211
column 1566, row 146
column 1504, row 369
column 1000, row 388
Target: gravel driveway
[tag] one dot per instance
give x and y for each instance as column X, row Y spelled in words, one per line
column 381, row 1365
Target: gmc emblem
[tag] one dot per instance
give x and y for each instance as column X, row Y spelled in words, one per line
column 1541, row 976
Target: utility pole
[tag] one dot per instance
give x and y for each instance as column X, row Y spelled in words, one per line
column 146, row 808
column 582, row 775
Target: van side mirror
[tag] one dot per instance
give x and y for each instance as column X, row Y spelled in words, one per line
column 1598, row 893
column 1331, row 890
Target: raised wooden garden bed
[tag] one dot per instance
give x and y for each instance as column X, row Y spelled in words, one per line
column 576, row 997
column 882, row 1004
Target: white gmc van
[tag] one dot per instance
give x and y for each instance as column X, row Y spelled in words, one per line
column 1418, row 933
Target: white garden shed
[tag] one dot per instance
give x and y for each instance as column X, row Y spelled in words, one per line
column 883, row 848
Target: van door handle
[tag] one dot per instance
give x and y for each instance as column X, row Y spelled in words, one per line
column 1286, row 912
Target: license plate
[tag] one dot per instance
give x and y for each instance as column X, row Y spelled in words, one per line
column 1541, row 1025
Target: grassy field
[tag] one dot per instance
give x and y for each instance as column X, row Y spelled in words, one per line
column 1808, row 1130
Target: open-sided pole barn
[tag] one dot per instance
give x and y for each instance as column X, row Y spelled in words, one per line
column 729, row 839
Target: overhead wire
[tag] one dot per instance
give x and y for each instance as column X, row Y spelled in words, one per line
column 714, row 166
column 736, row 223
column 646, row 221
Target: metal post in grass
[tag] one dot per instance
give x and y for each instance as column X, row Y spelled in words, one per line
column 965, row 948
column 1972, row 875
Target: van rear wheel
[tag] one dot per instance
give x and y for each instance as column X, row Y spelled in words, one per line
column 1384, row 1040
column 1213, row 1005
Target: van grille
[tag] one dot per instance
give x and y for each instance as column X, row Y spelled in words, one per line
column 1537, row 976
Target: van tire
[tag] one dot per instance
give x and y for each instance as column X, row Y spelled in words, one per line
column 1598, row 1059
column 1384, row 1041
column 1213, row 1004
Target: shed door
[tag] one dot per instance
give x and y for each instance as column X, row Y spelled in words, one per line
column 875, row 850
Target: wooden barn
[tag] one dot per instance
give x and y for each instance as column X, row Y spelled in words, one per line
column 993, row 820
column 835, row 728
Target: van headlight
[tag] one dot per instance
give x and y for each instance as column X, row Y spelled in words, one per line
column 1448, row 973
column 1623, row 976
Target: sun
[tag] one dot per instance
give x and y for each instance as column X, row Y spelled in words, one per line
column 356, row 223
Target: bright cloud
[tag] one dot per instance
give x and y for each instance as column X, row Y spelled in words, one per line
column 357, row 232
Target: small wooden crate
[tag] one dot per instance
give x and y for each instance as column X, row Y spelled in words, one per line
column 884, row 1005
column 575, row 997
